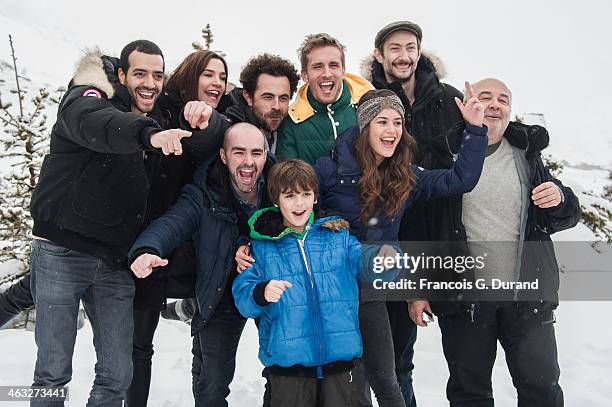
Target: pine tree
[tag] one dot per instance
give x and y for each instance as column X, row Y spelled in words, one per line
column 25, row 138
column 208, row 36
column 596, row 208
column 597, row 215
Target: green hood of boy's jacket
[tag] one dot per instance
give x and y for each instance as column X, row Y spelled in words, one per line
column 267, row 224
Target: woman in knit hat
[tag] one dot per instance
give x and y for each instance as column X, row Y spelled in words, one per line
column 369, row 181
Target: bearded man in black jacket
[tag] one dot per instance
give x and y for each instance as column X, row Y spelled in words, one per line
column 89, row 204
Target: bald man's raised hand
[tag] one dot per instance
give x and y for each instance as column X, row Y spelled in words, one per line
column 472, row 110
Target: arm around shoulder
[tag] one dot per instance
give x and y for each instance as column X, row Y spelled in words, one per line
column 248, row 290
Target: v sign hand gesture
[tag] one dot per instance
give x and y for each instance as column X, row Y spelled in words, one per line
column 472, row 110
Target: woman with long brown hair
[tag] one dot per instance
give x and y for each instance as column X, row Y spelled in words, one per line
column 370, row 180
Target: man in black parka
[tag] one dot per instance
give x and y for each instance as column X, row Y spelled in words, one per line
column 88, row 206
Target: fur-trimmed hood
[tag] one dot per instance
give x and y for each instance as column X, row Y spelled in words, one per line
column 365, row 67
column 97, row 70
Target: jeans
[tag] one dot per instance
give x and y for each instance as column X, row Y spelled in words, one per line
column 404, row 333
column 528, row 339
column 15, row 299
column 61, row 278
column 218, row 345
column 378, row 356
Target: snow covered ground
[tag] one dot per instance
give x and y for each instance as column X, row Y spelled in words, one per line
column 583, row 334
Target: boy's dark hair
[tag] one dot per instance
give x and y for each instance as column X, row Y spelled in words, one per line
column 269, row 64
column 144, row 46
column 314, row 41
column 291, row 175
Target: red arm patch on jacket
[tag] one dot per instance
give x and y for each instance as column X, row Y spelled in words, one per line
column 94, row 92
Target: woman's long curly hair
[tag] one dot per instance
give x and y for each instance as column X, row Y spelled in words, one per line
column 384, row 188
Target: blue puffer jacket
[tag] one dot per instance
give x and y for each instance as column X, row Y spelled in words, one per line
column 340, row 173
column 316, row 320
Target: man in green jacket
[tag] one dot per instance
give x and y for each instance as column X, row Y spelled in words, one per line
column 324, row 107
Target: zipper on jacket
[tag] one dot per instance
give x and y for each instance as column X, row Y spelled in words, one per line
column 315, row 307
column 301, row 244
column 333, row 121
column 472, row 307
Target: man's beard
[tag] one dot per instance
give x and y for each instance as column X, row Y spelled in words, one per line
column 392, row 78
column 264, row 123
column 241, row 187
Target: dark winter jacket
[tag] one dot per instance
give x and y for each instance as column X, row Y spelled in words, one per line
column 433, row 117
column 340, row 174
column 208, row 213
column 316, row 320
column 537, row 260
column 94, row 183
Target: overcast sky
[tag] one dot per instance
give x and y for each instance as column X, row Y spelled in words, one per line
column 555, row 55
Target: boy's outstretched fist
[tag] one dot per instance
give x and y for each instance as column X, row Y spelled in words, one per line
column 274, row 289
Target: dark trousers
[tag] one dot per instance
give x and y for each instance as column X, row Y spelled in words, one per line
column 15, row 299
column 218, row 345
column 336, row 390
column 145, row 324
column 528, row 339
column 378, row 356
column 404, row 333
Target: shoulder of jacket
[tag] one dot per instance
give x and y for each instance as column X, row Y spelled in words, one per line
column 90, row 72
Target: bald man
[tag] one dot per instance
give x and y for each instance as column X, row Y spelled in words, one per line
column 213, row 210
column 515, row 202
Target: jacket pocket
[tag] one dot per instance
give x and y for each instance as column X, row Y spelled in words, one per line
column 108, row 186
column 273, row 325
column 53, row 249
column 55, row 184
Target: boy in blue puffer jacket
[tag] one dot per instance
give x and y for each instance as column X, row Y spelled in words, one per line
column 303, row 288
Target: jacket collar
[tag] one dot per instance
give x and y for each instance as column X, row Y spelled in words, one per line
column 426, row 86
column 238, row 110
column 301, row 109
column 267, row 224
column 212, row 177
column 530, row 138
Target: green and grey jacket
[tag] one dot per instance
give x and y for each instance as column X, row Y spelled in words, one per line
column 311, row 128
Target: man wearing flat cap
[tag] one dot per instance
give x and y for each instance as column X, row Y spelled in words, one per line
column 431, row 114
